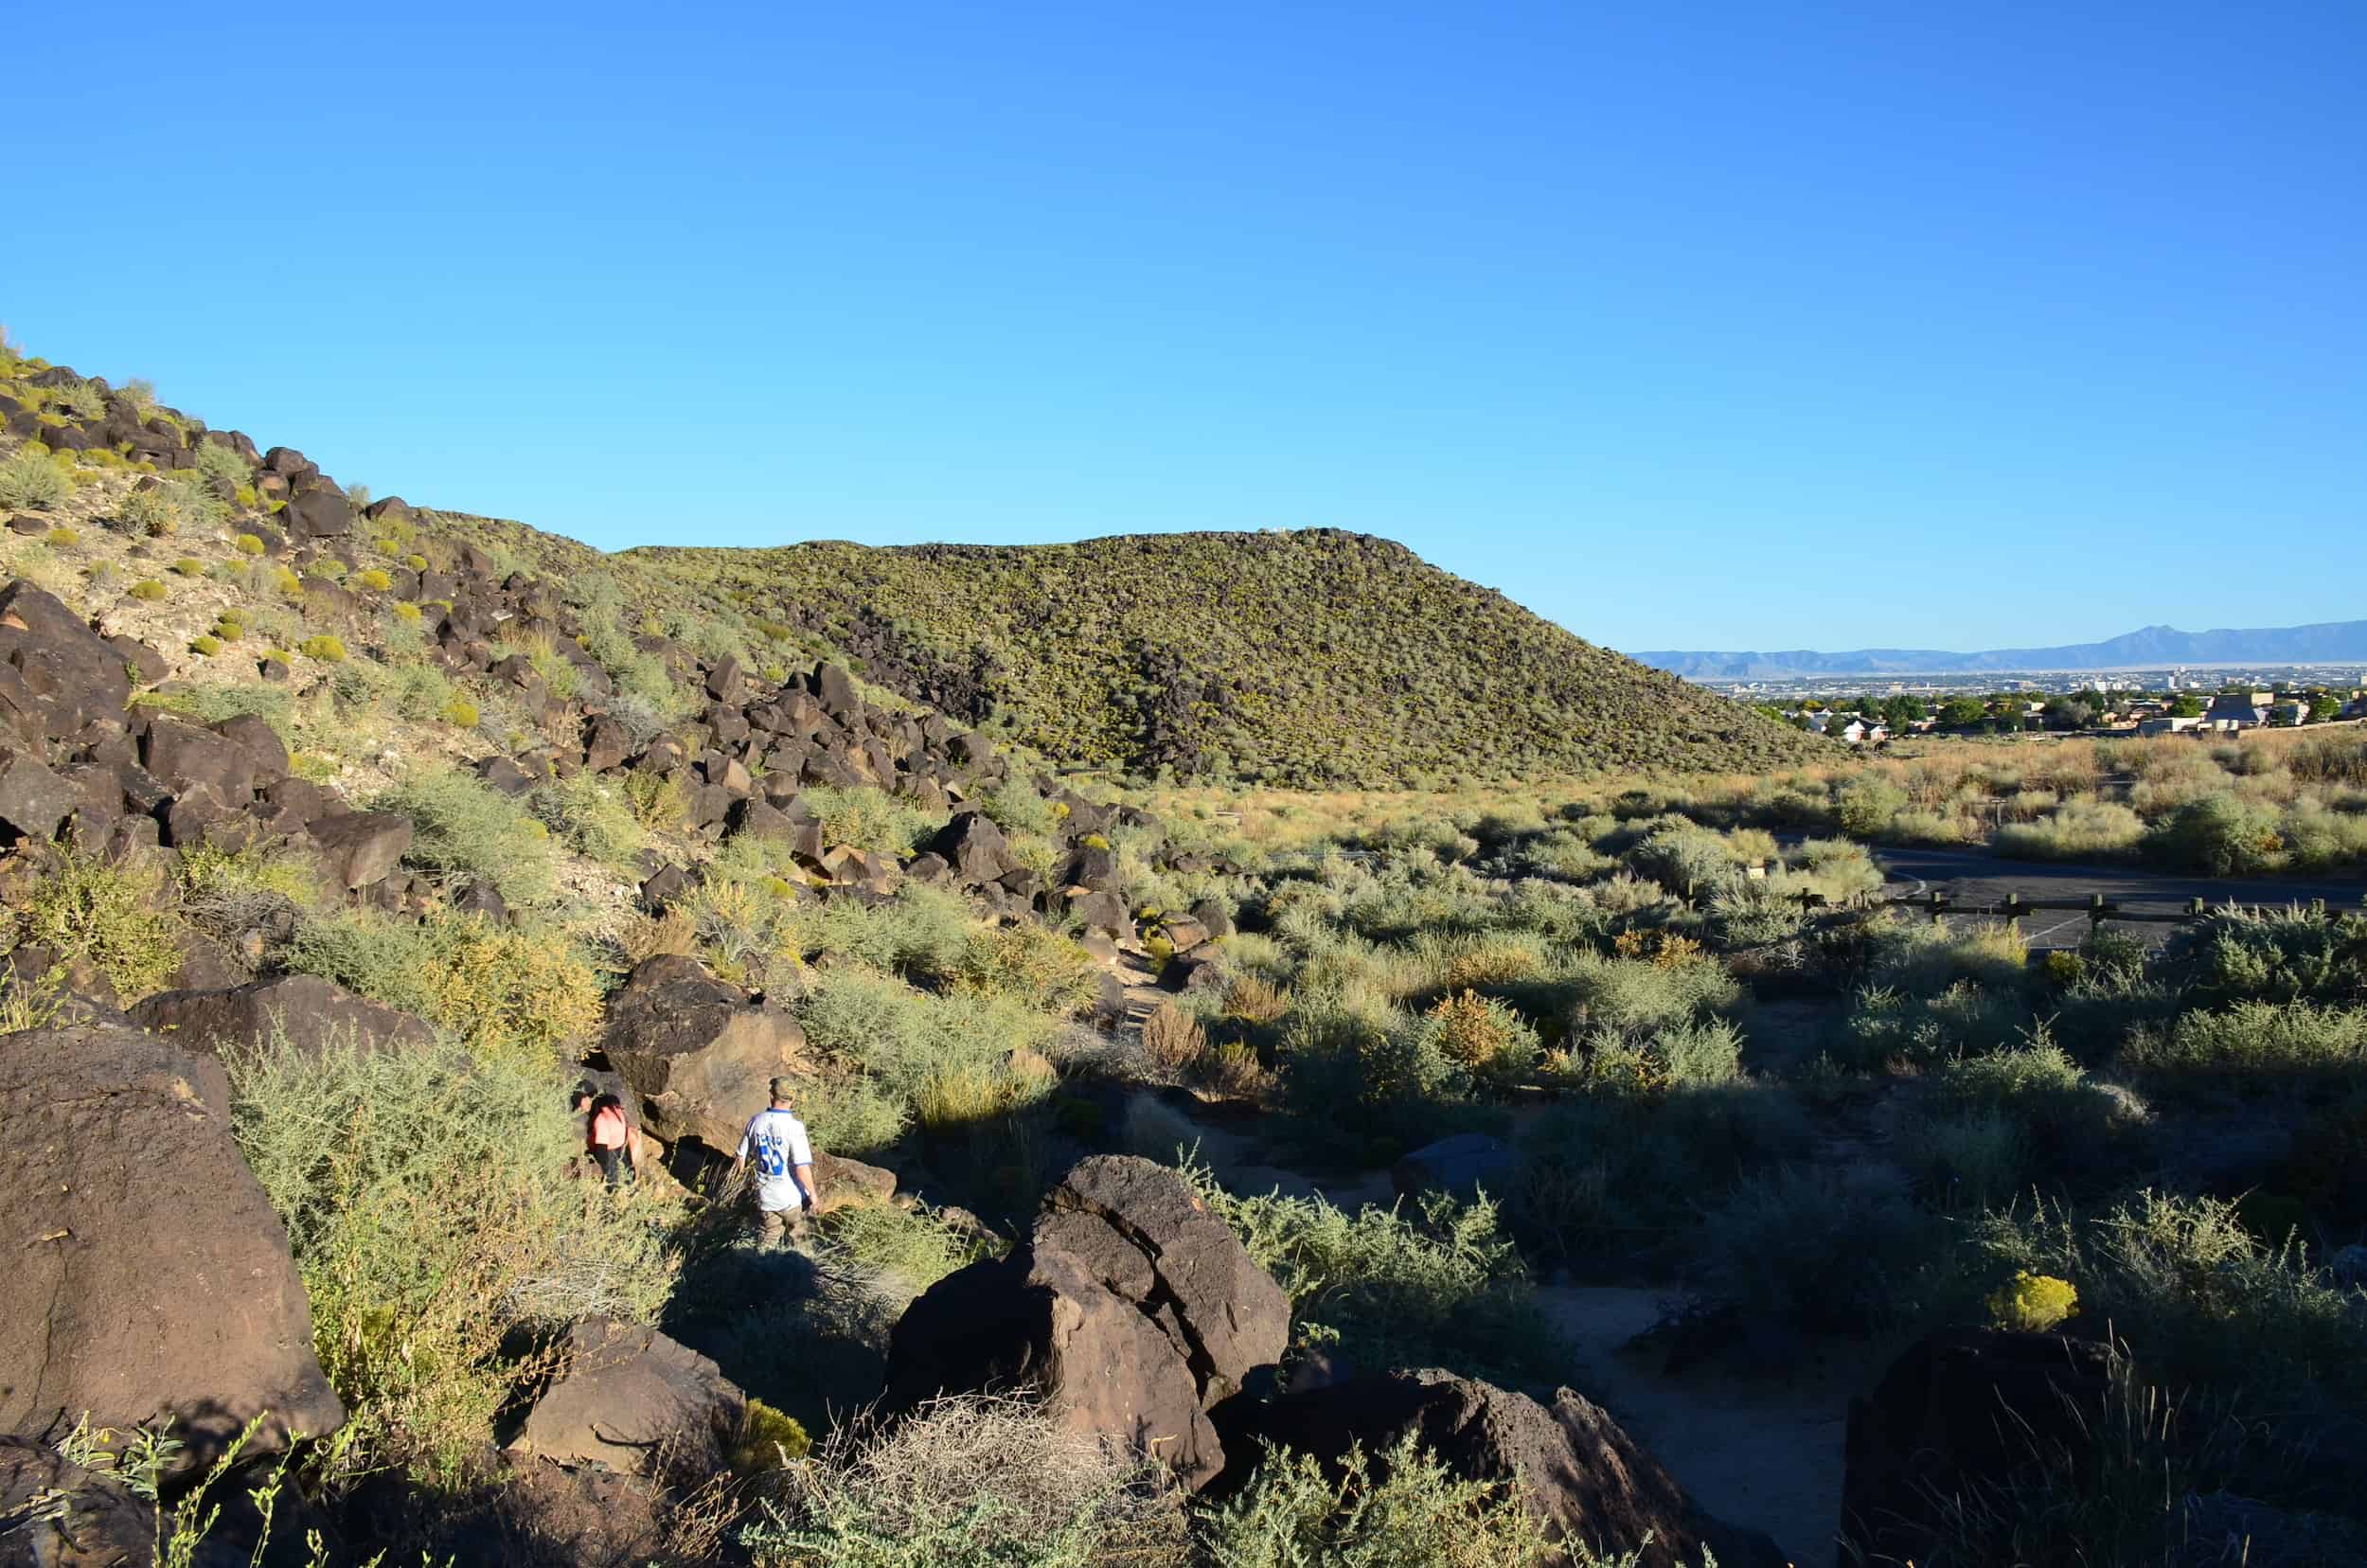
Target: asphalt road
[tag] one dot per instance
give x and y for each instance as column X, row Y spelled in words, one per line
column 1974, row 876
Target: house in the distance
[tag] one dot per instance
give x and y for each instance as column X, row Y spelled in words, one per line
column 2238, row 710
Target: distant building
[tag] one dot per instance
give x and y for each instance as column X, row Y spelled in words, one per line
column 2238, row 710
column 2167, row 725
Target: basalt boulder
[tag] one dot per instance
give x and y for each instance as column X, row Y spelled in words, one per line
column 147, row 1274
column 632, row 1400
column 697, row 1050
column 310, row 1012
column 1960, row 1413
column 1131, row 1308
column 1581, row 1477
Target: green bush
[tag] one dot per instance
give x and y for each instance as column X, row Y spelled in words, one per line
column 2208, row 1303
column 923, row 930
column 374, row 579
column 2220, row 835
column 2273, row 956
column 114, row 917
column 146, row 590
column 465, row 830
column 2078, row 830
column 328, row 650
column 1839, row 1250
column 1402, row 1508
column 61, row 539
column 591, row 815
column 870, row 819
column 247, row 545
column 518, row 993
column 1444, row 1287
column 32, row 481
column 2253, row 1047
column 426, row 1203
column 1029, row 963
column 906, row 1039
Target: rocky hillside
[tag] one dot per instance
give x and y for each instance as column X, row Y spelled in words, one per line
column 1300, row 658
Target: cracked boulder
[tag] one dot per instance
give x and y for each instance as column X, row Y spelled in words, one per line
column 699, row 1054
column 310, row 1011
column 148, row 1276
column 1130, row 1307
column 632, row 1400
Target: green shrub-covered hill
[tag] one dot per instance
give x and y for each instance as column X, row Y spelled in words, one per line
column 1300, row 658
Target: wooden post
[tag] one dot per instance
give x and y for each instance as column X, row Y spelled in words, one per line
column 2013, row 909
column 2096, row 907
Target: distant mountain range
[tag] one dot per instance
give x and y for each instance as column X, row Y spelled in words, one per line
column 2149, row 648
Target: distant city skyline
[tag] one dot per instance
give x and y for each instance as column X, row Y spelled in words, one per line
column 1730, row 326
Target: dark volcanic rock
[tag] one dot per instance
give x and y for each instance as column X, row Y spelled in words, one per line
column 627, row 1394
column 1958, row 1412
column 697, row 1051
column 358, row 848
column 309, row 1010
column 1581, row 1477
column 1130, row 1307
column 150, row 1277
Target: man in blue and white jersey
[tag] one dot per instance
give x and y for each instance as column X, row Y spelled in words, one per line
column 775, row 1142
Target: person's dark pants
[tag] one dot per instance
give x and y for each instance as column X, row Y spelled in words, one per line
column 615, row 1164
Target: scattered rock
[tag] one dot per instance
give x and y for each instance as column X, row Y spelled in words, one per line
column 309, row 1010
column 700, row 1054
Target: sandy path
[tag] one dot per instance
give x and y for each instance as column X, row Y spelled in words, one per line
column 1762, row 1451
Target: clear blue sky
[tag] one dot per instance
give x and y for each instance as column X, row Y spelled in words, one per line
column 1721, row 326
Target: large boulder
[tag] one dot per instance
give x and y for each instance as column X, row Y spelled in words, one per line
column 33, row 800
column 697, row 1051
column 148, row 1276
column 1959, row 1412
column 1464, row 1163
column 70, row 677
column 309, row 1010
column 1581, row 1477
column 359, row 849
column 631, row 1399
column 973, row 847
column 1130, row 1307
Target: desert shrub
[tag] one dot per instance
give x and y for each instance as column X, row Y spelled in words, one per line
column 902, row 1251
column 978, row 1482
column 1623, row 1177
column 2033, row 1304
column 61, row 539
column 1025, row 961
column 114, row 917
column 1442, row 1287
column 1841, row 1250
column 1626, row 993
column 1173, row 1038
column 1925, row 958
column 2209, row 1302
column 2220, row 835
column 465, row 830
column 1886, row 1025
column 854, row 1116
column 923, row 930
column 1016, row 807
column 507, row 991
column 1756, row 914
column 205, row 645
column 211, row 704
column 188, row 566
column 420, row 1253
column 1483, row 1035
column 212, row 460
column 230, row 891
column 1865, row 806
column 2077, row 831
column 2295, row 954
column 1689, row 862
column 328, row 650
column 146, row 590
column 2318, row 837
column 1403, row 1508
column 909, row 1040
column 2258, row 1047
column 247, row 545
column 374, row 579
column 2053, row 1117
column 32, row 481
column 866, row 818
column 590, row 816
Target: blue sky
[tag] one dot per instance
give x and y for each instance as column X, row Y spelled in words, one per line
column 1687, row 325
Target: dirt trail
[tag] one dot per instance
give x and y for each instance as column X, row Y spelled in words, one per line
column 1757, row 1446
column 1755, row 1436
